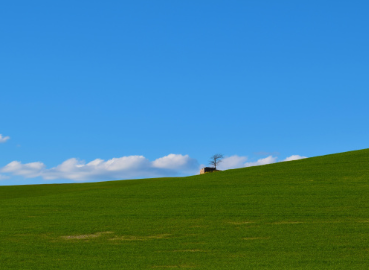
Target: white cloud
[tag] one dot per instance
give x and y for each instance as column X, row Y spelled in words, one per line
column 115, row 168
column 28, row 170
column 294, row 157
column 232, row 162
column 236, row 161
column 271, row 159
column 175, row 162
column 262, row 161
column 3, row 139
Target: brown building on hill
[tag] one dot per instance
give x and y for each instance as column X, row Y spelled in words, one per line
column 207, row 169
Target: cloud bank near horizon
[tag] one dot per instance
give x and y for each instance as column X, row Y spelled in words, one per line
column 236, row 161
column 126, row 167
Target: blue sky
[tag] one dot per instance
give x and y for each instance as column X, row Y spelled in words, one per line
column 103, row 90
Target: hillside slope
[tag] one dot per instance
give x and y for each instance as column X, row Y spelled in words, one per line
column 305, row 214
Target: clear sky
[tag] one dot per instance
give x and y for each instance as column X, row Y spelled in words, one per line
column 103, row 90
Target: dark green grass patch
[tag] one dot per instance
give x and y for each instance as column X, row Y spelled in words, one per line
column 305, row 214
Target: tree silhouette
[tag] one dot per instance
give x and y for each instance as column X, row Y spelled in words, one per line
column 215, row 160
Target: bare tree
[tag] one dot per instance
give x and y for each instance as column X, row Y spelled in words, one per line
column 215, row 160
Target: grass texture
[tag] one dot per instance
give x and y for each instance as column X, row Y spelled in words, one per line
column 305, row 214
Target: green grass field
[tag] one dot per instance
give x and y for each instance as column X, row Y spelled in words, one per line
column 305, row 214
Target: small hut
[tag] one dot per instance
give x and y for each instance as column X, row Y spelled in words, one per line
column 207, row 169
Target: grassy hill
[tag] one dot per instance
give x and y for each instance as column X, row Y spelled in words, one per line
column 305, row 214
